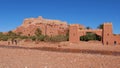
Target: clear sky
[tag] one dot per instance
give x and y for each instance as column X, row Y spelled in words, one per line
column 86, row 12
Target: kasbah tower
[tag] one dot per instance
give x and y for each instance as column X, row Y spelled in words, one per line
column 56, row 27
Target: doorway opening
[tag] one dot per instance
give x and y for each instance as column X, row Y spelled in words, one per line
column 115, row 42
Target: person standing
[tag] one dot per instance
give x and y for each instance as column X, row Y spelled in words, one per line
column 8, row 42
column 15, row 42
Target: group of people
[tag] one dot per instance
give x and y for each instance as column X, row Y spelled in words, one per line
column 13, row 42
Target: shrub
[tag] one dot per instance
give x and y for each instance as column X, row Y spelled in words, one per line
column 4, row 38
column 40, row 38
column 47, row 38
column 90, row 36
column 23, row 37
column 10, row 33
column 100, row 26
column 58, row 38
column 33, row 38
column 37, row 38
column 84, row 38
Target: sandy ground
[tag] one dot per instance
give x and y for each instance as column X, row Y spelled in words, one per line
column 31, row 58
column 80, row 45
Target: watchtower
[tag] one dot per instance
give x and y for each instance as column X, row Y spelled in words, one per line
column 74, row 33
column 107, row 34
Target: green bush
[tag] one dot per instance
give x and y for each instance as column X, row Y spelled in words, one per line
column 23, row 37
column 40, row 38
column 9, row 35
column 47, row 39
column 33, row 38
column 83, row 38
column 58, row 38
column 37, row 37
column 4, row 38
column 90, row 36
column 100, row 26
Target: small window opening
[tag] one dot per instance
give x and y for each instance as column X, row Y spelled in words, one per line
column 107, row 43
column 29, row 22
column 115, row 42
column 28, row 34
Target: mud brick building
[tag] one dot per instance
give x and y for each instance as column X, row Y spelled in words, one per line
column 48, row 27
column 108, row 38
column 56, row 27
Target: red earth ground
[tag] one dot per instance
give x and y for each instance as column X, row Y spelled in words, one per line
column 31, row 55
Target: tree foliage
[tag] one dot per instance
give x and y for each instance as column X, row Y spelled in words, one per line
column 90, row 36
column 100, row 26
column 88, row 27
column 58, row 38
column 37, row 37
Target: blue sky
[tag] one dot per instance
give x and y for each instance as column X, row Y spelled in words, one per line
column 86, row 12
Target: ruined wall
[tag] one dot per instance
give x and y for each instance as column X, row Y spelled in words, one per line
column 48, row 27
